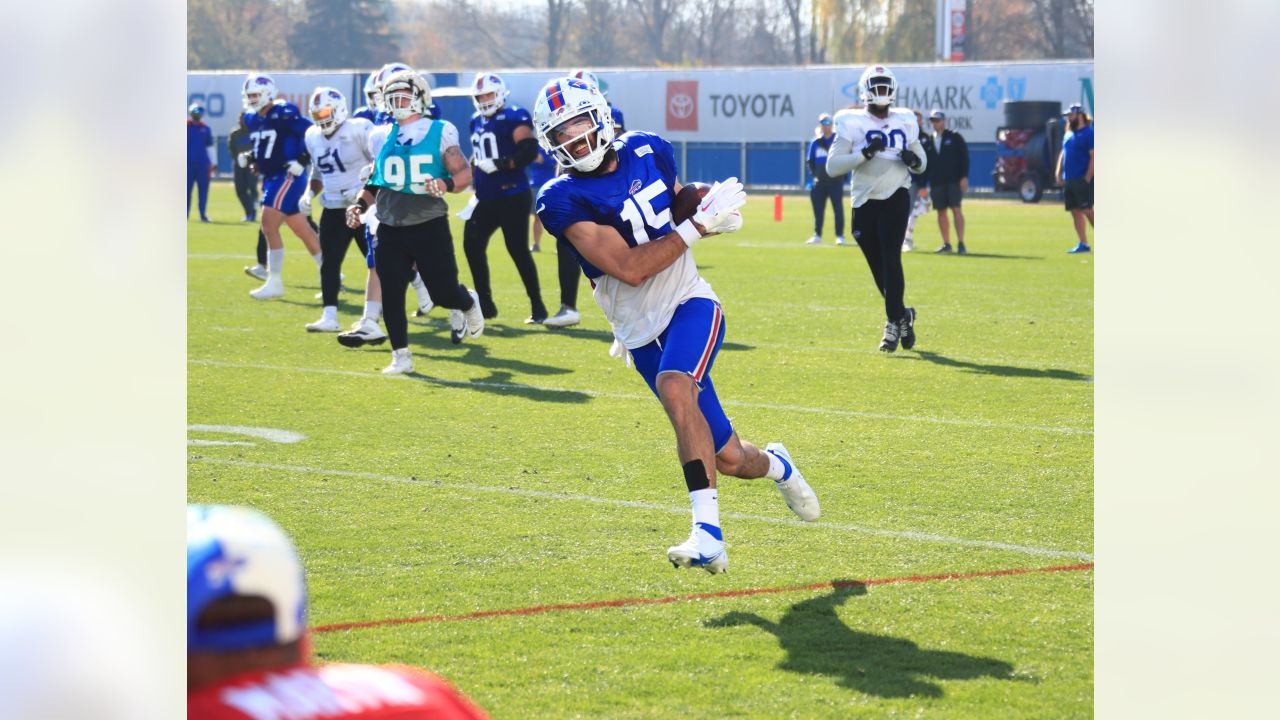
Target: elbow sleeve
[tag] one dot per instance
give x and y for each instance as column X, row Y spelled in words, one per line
column 526, row 151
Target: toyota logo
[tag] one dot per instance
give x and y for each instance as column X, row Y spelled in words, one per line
column 681, row 106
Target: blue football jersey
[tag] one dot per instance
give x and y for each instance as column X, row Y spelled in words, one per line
column 492, row 138
column 278, row 136
column 635, row 199
column 364, row 111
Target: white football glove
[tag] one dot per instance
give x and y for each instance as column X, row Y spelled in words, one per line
column 304, row 202
column 731, row 223
column 487, row 166
column 295, row 168
column 719, row 206
column 243, row 159
column 366, row 172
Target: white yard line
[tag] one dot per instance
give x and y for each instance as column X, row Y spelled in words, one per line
column 684, row 510
column 649, row 398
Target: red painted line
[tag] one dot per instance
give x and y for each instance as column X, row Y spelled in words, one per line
column 622, row 602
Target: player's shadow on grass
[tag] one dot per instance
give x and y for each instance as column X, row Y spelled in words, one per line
column 1002, row 370
column 471, row 352
column 818, row 642
column 502, row 383
column 989, row 256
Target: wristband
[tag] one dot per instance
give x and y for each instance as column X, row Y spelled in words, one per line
column 448, row 184
column 360, row 203
column 688, row 232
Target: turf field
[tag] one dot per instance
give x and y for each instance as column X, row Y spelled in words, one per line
column 515, row 498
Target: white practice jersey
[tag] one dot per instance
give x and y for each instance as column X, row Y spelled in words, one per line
column 337, row 160
column 885, row 172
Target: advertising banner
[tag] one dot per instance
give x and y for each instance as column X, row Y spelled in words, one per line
column 739, row 104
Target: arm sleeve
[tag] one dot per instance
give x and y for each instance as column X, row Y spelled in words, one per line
column 448, row 136
column 526, row 151
column 842, row 158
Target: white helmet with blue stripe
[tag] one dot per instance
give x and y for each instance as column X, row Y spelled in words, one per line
column 258, row 91
column 372, row 96
column 239, row 552
column 561, row 101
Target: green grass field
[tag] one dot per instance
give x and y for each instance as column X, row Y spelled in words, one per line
column 528, row 468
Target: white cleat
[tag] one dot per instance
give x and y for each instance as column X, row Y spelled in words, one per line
column 474, row 317
column 566, row 317
column 815, row 240
column 700, row 550
column 324, row 324
column 840, row 240
column 401, row 362
column 457, row 326
column 908, row 245
column 270, row 290
column 256, row 271
column 363, row 332
column 795, row 491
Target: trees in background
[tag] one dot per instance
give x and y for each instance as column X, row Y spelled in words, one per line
column 614, row 33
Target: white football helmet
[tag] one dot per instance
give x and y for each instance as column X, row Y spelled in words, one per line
column 563, row 100
column 372, row 97
column 239, row 552
column 258, row 92
column 587, row 75
column 877, row 86
column 380, row 79
column 484, row 84
column 405, row 93
column 328, row 109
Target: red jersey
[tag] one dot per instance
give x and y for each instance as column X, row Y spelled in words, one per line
column 303, row 692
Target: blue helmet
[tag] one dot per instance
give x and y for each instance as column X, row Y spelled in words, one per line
column 236, row 551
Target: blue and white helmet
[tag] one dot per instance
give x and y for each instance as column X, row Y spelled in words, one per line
column 328, row 109
column 258, row 92
column 237, row 552
column 877, row 86
column 380, row 79
column 483, row 84
column 563, row 100
column 372, row 96
column 584, row 74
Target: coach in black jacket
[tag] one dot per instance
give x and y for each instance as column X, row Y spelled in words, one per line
column 948, row 179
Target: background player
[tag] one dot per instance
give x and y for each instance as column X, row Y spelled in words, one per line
column 502, row 145
column 280, row 157
column 202, row 159
column 417, row 161
column 338, row 146
column 248, row 655
column 613, row 207
column 881, row 145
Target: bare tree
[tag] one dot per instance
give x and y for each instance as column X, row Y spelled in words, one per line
column 654, row 17
column 558, row 14
column 796, row 25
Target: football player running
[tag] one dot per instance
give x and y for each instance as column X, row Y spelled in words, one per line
column 502, row 145
column 338, row 146
column 279, row 155
column 248, row 650
column 417, row 160
column 881, row 145
column 613, row 208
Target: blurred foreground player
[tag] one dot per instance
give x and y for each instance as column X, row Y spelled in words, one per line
column 247, row 646
column 614, row 209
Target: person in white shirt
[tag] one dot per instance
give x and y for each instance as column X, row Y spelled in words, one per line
column 881, row 145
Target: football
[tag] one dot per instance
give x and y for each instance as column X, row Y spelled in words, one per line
column 687, row 200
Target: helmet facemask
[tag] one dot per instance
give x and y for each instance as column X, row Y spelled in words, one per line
column 881, row 90
column 598, row 136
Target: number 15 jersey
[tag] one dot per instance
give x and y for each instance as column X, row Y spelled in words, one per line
column 635, row 199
